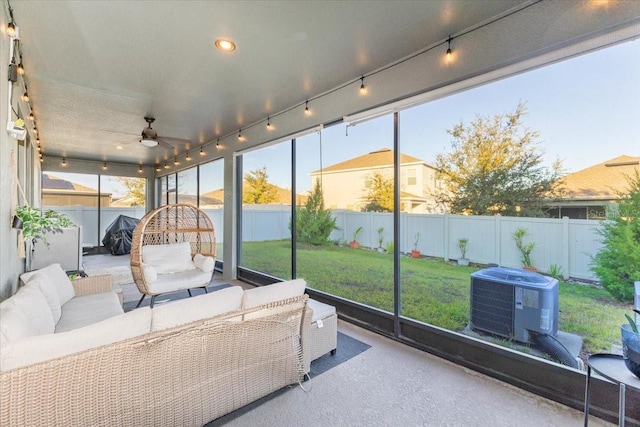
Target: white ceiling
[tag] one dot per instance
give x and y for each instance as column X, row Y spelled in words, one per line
column 94, row 69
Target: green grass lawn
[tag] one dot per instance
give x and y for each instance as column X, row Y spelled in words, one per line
column 433, row 291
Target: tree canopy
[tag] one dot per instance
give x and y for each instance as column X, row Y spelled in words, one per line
column 496, row 167
column 135, row 189
column 379, row 194
column 258, row 189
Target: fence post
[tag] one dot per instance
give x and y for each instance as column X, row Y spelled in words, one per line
column 565, row 247
column 498, row 233
column 446, row 237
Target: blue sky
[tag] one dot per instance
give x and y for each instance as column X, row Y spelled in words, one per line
column 586, row 109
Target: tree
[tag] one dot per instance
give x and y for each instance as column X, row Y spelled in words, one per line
column 617, row 265
column 379, row 194
column 258, row 189
column 495, row 167
column 314, row 224
column 135, row 189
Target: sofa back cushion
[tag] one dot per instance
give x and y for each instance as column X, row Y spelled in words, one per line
column 14, row 324
column 32, row 303
column 48, row 289
column 200, row 307
column 57, row 277
column 170, row 258
column 36, row 349
column 274, row 292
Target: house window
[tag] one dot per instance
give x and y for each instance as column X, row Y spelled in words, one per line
column 411, row 177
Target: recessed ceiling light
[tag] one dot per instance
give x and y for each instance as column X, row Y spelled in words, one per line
column 225, row 45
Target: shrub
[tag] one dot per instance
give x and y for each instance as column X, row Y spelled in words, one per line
column 617, row 265
column 314, row 224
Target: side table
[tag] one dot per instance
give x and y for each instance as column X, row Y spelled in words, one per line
column 611, row 367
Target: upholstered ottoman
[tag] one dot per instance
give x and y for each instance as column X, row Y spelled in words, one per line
column 323, row 337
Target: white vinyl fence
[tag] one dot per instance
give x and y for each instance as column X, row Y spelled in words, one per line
column 567, row 243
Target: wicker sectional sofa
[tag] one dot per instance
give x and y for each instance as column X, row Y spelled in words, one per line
column 182, row 363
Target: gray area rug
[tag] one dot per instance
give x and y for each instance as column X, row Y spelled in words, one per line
column 348, row 347
column 173, row 296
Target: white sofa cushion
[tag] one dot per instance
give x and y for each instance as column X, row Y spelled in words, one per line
column 58, row 277
column 196, row 308
column 49, row 291
column 274, row 292
column 204, row 263
column 30, row 300
column 195, row 278
column 45, row 347
column 150, row 273
column 171, row 258
column 320, row 310
column 14, row 324
column 87, row 309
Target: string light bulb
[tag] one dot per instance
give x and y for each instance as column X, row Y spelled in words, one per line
column 306, row 108
column 25, row 95
column 363, row 89
column 140, row 169
column 35, row 130
column 175, row 161
column 21, row 68
column 104, row 166
column 166, row 166
column 202, row 153
column 449, row 52
column 268, row 122
column 240, row 134
column 218, row 144
column 31, row 116
column 158, row 168
column 188, row 157
column 38, row 148
column 64, row 162
column 11, row 29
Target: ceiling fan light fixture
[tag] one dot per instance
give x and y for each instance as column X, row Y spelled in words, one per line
column 148, row 142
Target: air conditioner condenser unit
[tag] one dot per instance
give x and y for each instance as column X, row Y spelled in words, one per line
column 512, row 303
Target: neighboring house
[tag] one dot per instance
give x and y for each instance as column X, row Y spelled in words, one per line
column 60, row 192
column 345, row 185
column 590, row 190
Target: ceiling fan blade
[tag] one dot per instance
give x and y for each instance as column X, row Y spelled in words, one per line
column 165, row 144
column 174, row 142
column 117, row 131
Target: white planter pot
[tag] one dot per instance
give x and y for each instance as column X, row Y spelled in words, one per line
column 463, row 261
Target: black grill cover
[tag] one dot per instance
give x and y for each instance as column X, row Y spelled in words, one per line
column 117, row 238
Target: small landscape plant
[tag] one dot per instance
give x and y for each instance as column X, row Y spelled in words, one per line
column 556, row 271
column 525, row 248
column 380, row 236
column 355, row 234
column 462, row 245
column 390, row 247
column 416, row 239
column 314, row 223
column 632, row 323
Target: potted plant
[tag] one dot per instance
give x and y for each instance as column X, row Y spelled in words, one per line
column 35, row 224
column 380, row 239
column 354, row 242
column 631, row 345
column 524, row 248
column 415, row 253
column 462, row 245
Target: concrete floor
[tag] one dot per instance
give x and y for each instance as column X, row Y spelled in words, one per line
column 392, row 384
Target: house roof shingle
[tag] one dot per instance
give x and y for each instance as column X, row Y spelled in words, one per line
column 601, row 181
column 374, row 159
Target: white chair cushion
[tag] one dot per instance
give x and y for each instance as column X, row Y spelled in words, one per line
column 58, row 277
column 87, row 309
column 30, row 300
column 275, row 292
column 171, row 258
column 196, row 308
column 195, row 278
column 150, row 273
column 49, row 291
column 45, row 347
column 204, row 263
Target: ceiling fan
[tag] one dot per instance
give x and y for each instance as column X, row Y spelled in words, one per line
column 150, row 138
